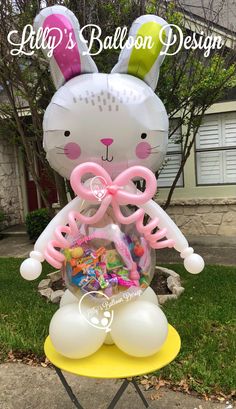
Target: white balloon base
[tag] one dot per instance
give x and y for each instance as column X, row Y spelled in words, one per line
column 109, row 362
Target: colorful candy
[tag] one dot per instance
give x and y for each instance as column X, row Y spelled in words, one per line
column 91, row 285
column 104, row 283
column 76, row 252
column 113, row 259
column 104, row 269
column 143, row 282
column 138, row 250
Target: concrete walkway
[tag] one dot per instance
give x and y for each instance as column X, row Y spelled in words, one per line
column 214, row 250
column 14, row 242
column 25, row 387
column 15, row 246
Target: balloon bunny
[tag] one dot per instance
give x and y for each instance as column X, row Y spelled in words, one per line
column 115, row 128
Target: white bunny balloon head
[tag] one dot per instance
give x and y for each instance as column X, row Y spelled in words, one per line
column 116, row 119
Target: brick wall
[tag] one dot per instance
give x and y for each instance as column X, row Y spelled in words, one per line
column 216, row 217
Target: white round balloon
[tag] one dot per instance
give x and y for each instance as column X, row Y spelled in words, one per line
column 139, row 328
column 194, row 263
column 73, row 336
column 149, row 295
column 68, row 298
column 30, row 269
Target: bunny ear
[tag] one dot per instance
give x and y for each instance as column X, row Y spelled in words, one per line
column 67, row 59
column 144, row 61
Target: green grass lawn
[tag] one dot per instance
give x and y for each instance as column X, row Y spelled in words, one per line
column 24, row 315
column 205, row 317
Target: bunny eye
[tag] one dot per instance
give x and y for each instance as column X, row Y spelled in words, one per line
column 143, row 135
column 67, row 133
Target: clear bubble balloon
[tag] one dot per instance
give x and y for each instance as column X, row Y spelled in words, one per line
column 109, row 258
column 96, row 312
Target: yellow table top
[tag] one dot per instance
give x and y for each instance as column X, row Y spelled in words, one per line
column 111, row 362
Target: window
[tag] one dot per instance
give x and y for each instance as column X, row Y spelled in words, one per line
column 172, row 161
column 216, row 150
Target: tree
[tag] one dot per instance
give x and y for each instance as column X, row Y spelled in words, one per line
column 191, row 82
column 27, row 91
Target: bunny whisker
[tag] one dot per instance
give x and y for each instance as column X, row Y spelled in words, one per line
column 153, row 147
column 59, row 147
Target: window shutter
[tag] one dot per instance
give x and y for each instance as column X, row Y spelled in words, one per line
column 169, row 172
column 209, row 133
column 229, row 129
column 219, row 166
column 173, row 160
column 209, row 168
column 229, row 158
column 172, row 145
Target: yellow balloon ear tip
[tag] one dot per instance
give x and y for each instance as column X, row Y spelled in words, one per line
column 143, row 58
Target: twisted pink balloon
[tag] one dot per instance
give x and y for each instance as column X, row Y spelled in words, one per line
column 114, row 195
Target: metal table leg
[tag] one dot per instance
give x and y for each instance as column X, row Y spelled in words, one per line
column 68, row 388
column 121, row 391
column 118, row 394
column 114, row 401
column 140, row 393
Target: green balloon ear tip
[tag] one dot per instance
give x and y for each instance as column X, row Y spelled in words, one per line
column 142, row 59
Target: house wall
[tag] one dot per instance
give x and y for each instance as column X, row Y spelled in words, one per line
column 10, row 189
column 203, row 210
column 214, row 217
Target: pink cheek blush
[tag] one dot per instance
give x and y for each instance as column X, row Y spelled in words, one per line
column 72, row 150
column 143, row 150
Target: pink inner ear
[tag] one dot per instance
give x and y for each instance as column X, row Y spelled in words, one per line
column 67, row 59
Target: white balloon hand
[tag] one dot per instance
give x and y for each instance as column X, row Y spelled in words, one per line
column 31, row 268
column 193, row 263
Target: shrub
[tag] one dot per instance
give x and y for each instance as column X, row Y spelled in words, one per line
column 36, row 222
column 2, row 216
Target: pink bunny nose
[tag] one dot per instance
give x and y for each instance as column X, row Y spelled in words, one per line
column 107, row 141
